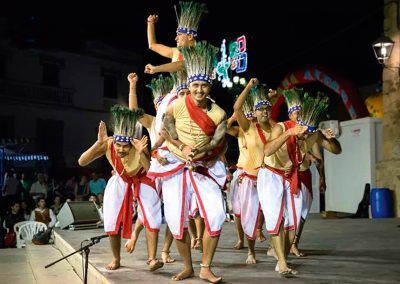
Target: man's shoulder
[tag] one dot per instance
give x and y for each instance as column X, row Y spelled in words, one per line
column 220, row 112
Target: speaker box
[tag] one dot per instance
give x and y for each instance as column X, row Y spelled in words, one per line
column 78, row 212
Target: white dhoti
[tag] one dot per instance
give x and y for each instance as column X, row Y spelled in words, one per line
column 117, row 200
column 277, row 202
column 245, row 202
column 180, row 183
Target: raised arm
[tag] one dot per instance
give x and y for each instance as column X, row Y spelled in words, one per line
column 237, row 107
column 146, row 119
column 161, row 49
column 278, row 137
column 98, row 149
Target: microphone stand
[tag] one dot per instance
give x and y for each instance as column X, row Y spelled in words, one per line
column 86, row 250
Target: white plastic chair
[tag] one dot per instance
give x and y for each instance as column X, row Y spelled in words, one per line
column 27, row 231
column 19, row 224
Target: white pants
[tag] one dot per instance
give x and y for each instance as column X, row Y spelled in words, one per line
column 149, row 205
column 179, row 184
column 277, row 202
column 245, row 202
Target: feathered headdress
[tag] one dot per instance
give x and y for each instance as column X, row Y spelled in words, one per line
column 190, row 16
column 312, row 110
column 260, row 96
column 247, row 107
column 160, row 87
column 124, row 122
column 181, row 80
column 292, row 99
column 200, row 60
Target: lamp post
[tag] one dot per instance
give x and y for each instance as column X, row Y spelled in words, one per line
column 383, row 48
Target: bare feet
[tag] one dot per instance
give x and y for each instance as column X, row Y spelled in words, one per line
column 115, row 264
column 284, row 269
column 295, row 250
column 187, row 273
column 271, row 252
column 192, row 242
column 199, row 244
column 154, row 264
column 251, row 259
column 206, row 274
column 260, row 236
column 239, row 245
column 166, row 257
column 131, row 243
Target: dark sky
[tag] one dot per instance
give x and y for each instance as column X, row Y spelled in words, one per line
column 283, row 37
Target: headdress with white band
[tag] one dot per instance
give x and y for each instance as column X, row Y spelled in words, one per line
column 124, row 122
column 260, row 96
column 200, row 61
column 190, row 16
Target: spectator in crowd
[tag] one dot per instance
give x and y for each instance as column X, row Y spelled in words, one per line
column 43, row 214
column 39, row 188
column 82, row 189
column 96, row 184
column 56, row 207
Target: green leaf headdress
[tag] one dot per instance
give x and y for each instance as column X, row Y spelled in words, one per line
column 292, row 99
column 312, row 110
column 160, row 87
column 200, row 61
column 124, row 122
column 190, row 16
column 260, row 96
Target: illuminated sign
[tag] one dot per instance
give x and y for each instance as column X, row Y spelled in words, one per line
column 235, row 62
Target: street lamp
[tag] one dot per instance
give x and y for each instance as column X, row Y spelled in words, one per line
column 383, row 48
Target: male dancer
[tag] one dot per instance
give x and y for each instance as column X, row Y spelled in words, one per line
column 130, row 161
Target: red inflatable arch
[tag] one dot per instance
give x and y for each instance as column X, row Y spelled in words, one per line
column 344, row 88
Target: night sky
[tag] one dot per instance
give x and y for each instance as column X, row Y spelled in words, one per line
column 285, row 36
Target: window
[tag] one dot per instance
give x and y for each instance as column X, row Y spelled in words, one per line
column 110, row 88
column 51, row 74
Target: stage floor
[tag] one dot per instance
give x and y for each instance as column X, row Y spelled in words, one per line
column 339, row 251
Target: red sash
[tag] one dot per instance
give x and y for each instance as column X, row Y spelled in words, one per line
column 200, row 117
column 261, row 134
column 180, row 57
column 295, row 158
column 127, row 205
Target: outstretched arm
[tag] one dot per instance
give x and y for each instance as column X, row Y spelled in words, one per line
column 161, row 49
column 98, row 149
column 237, row 107
column 168, row 67
column 327, row 140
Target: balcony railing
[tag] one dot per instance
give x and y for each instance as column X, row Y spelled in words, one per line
column 27, row 92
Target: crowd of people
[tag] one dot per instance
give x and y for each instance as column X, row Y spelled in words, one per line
column 25, row 200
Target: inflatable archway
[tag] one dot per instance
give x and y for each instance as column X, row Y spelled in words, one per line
column 344, row 88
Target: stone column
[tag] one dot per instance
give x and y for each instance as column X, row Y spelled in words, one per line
column 388, row 170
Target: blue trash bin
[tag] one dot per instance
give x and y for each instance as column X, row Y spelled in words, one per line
column 381, row 203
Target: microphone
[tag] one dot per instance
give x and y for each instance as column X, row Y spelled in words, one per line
column 97, row 238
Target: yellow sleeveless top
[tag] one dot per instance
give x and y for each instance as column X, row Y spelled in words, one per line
column 189, row 133
column 131, row 162
column 251, row 149
column 280, row 159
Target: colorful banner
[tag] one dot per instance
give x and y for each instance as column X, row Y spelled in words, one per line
column 345, row 89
